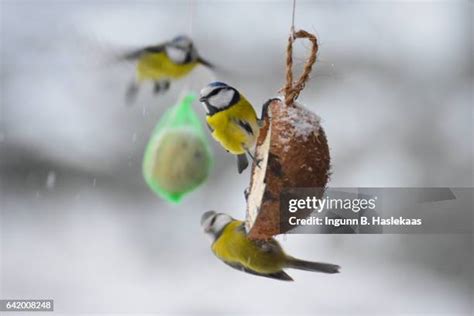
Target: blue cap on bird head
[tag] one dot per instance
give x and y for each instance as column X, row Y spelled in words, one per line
column 182, row 40
column 217, row 84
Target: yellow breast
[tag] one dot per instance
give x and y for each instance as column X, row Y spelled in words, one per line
column 229, row 133
column 157, row 66
column 233, row 246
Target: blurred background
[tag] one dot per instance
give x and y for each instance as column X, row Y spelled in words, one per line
column 393, row 86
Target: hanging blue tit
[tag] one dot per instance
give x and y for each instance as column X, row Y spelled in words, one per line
column 178, row 157
column 164, row 62
column 232, row 120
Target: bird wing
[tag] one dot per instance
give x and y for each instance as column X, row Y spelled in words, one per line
column 269, row 245
column 280, row 275
column 204, row 62
column 150, row 49
column 245, row 126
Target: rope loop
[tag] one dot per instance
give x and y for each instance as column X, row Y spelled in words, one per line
column 292, row 89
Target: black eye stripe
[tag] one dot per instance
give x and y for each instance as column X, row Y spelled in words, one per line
column 213, row 92
column 234, row 100
column 213, row 220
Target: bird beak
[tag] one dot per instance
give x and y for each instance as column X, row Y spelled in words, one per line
column 202, row 99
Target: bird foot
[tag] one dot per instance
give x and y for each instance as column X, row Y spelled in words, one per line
column 161, row 86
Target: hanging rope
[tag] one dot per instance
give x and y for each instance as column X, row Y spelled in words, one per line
column 292, row 89
column 191, row 17
column 292, row 29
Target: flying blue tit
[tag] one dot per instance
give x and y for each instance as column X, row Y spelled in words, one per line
column 164, row 62
column 231, row 119
column 259, row 257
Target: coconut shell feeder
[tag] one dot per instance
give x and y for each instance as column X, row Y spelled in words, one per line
column 292, row 149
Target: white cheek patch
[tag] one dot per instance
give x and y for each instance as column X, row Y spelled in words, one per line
column 175, row 54
column 221, row 221
column 206, row 224
column 222, row 99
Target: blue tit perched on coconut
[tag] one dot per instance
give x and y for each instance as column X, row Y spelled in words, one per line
column 231, row 119
column 165, row 62
column 264, row 258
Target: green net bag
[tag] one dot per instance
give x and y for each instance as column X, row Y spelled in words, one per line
column 178, row 157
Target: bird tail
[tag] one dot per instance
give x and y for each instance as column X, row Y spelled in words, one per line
column 312, row 266
column 132, row 55
column 204, row 62
column 242, row 162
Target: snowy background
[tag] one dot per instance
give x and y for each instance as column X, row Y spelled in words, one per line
column 393, row 85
